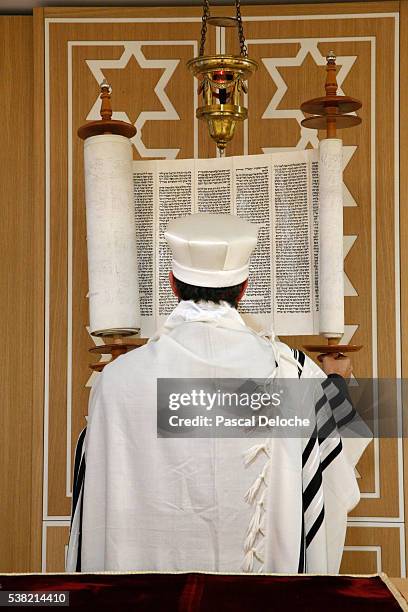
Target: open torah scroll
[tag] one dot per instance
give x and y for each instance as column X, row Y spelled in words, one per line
column 295, row 198
column 279, row 193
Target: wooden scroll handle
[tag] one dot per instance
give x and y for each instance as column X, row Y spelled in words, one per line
column 327, row 349
column 329, row 112
column 116, row 348
column 106, row 125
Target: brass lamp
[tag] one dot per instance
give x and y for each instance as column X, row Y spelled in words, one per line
column 222, row 81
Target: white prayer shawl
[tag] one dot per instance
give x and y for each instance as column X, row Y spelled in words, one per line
column 224, row 505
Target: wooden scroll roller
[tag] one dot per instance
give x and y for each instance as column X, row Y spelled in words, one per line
column 116, row 348
column 330, row 113
column 108, row 126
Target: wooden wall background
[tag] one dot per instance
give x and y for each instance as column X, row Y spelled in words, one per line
column 142, row 52
column 18, row 292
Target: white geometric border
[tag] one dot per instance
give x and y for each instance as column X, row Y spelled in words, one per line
column 374, row 523
column 46, row 524
column 368, row 548
column 366, row 521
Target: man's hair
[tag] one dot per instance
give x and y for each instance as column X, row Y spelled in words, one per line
column 209, row 294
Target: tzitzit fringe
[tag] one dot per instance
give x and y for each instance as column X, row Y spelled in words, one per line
column 254, row 545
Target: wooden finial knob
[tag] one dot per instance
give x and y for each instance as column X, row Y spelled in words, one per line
column 331, row 80
column 106, row 108
column 106, row 125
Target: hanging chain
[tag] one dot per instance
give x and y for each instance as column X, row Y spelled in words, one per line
column 242, row 45
column 206, row 14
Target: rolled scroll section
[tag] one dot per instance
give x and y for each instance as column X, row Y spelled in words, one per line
column 111, row 236
column 331, row 271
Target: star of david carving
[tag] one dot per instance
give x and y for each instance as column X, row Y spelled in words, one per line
column 307, row 60
column 123, row 74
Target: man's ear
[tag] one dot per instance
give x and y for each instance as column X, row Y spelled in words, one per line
column 173, row 284
column 243, row 289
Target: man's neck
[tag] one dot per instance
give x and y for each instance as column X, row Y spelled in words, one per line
column 209, row 304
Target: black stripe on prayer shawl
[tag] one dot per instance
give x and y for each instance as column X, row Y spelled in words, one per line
column 312, row 488
column 79, row 555
column 332, row 455
column 319, row 405
column 302, row 557
column 79, row 472
column 339, row 382
column 77, row 491
column 347, row 419
column 309, row 447
column 78, row 487
column 311, row 491
column 300, row 358
column 316, row 482
column 338, row 402
column 324, row 432
column 341, row 399
column 335, row 401
column 315, row 528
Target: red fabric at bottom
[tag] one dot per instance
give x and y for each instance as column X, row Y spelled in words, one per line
column 196, row 592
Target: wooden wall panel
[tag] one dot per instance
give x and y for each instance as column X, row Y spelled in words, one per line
column 404, row 223
column 290, row 43
column 372, row 547
column 55, row 547
column 38, row 165
column 18, row 292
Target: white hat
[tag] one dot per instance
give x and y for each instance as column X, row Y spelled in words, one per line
column 211, row 250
